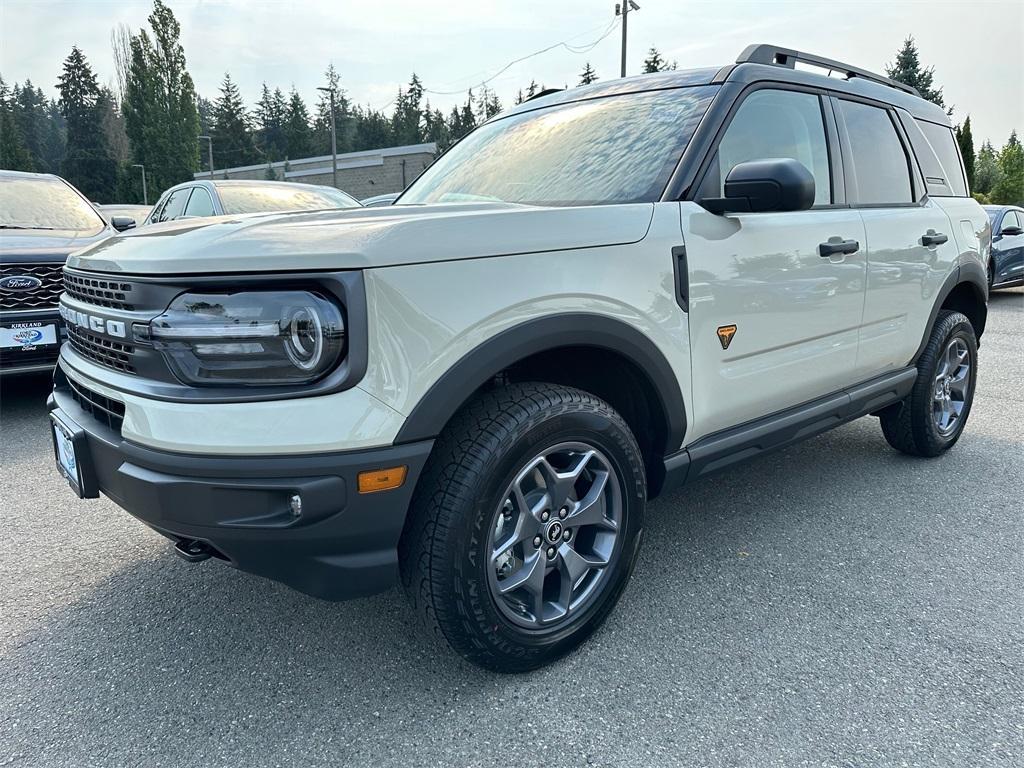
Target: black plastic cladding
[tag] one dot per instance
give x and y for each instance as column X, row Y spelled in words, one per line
column 154, row 379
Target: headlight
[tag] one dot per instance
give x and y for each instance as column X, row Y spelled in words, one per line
column 250, row 338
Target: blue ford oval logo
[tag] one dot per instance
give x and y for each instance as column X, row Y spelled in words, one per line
column 20, row 283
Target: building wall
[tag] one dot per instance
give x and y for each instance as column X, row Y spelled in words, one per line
column 360, row 174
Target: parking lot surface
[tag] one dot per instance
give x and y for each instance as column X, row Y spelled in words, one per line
column 835, row 603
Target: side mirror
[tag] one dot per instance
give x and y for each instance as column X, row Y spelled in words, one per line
column 776, row 184
column 1012, row 231
column 122, row 223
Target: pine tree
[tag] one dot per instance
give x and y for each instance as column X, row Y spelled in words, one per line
column 14, row 155
column 298, row 135
column 435, row 128
column 232, row 138
column 532, row 89
column 1009, row 190
column 907, row 69
column 407, row 117
column 373, row 130
column 269, row 119
column 654, row 62
column 986, row 170
column 28, row 105
column 160, row 105
column 966, row 142
column 588, row 75
column 343, row 119
column 205, row 109
column 89, row 163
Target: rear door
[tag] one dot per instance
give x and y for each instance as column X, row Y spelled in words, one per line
column 911, row 246
column 1008, row 248
column 773, row 324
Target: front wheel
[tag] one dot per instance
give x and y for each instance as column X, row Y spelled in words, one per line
column 932, row 417
column 526, row 525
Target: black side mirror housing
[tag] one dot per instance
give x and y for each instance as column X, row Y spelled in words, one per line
column 1012, row 231
column 774, row 184
column 122, row 223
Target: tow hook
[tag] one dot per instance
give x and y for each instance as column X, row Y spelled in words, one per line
column 193, row 551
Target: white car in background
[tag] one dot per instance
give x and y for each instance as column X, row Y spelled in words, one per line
column 196, row 199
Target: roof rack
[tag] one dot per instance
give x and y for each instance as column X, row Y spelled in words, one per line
column 786, row 57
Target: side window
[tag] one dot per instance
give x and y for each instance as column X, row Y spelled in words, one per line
column 944, row 144
column 769, row 124
column 157, row 210
column 175, row 204
column 879, row 165
column 200, row 204
column 1010, row 219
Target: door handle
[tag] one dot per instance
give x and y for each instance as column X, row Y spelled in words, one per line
column 836, row 247
column 931, row 237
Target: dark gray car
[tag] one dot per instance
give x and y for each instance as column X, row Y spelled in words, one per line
column 1006, row 265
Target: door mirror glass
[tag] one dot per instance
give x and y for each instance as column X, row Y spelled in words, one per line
column 776, row 184
column 121, row 223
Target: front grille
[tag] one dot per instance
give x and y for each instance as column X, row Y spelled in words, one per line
column 43, row 297
column 112, row 354
column 103, row 409
column 113, row 294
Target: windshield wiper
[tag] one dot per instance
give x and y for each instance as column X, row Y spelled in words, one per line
column 19, row 226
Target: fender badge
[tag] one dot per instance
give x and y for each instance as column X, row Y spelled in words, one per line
column 725, row 334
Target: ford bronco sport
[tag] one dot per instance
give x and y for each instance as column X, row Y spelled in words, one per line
column 593, row 298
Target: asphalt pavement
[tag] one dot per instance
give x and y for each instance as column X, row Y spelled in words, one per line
column 833, row 604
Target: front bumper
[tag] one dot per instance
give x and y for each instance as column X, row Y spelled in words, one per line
column 343, row 545
column 31, row 359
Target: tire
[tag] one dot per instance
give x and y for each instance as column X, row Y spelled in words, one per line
column 478, row 483
column 991, row 270
column 914, row 425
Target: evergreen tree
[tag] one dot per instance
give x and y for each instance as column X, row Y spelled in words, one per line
column 532, row 89
column 907, row 69
column 987, row 172
column 298, row 135
column 407, row 118
column 29, row 108
column 654, row 62
column 343, row 119
column 588, row 75
column 14, row 155
column 435, row 128
column 966, row 142
column 1009, row 190
column 159, row 106
column 89, row 163
column 519, row 99
column 204, row 107
column 269, row 117
column 232, row 139
column 373, row 130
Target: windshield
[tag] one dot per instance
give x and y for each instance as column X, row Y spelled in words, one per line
column 260, row 198
column 617, row 149
column 45, row 203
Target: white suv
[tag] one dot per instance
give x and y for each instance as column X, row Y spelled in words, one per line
column 595, row 297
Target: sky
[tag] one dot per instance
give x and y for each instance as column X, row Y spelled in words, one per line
column 452, row 45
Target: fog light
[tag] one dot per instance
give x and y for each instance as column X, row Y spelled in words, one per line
column 296, row 505
column 381, row 479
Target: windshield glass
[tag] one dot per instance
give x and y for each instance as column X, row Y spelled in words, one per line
column 260, row 198
column 616, row 149
column 45, row 203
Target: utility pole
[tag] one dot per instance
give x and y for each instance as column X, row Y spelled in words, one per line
column 209, row 145
column 623, row 10
column 334, row 139
column 145, row 197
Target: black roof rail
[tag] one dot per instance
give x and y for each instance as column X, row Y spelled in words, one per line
column 761, row 53
column 545, row 92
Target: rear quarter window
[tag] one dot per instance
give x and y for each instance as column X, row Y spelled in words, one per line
column 944, row 146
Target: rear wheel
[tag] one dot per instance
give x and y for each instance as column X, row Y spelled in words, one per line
column 526, row 525
column 932, row 417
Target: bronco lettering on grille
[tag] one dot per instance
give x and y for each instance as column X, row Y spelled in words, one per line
column 93, row 323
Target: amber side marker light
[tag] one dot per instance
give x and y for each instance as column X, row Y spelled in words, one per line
column 381, row 479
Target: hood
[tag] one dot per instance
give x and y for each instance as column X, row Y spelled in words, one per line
column 30, row 246
column 362, row 238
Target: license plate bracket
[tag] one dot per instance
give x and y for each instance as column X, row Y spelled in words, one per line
column 72, row 455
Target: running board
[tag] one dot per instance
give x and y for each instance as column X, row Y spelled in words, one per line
column 722, row 450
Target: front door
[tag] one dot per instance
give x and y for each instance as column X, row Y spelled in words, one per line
column 773, row 323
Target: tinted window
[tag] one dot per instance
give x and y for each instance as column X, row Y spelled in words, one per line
column 879, row 167
column 261, row 198
column 776, row 124
column 943, row 143
column 200, row 204
column 39, row 202
column 175, row 204
column 619, row 149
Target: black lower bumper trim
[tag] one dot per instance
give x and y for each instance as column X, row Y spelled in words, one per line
column 340, row 544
